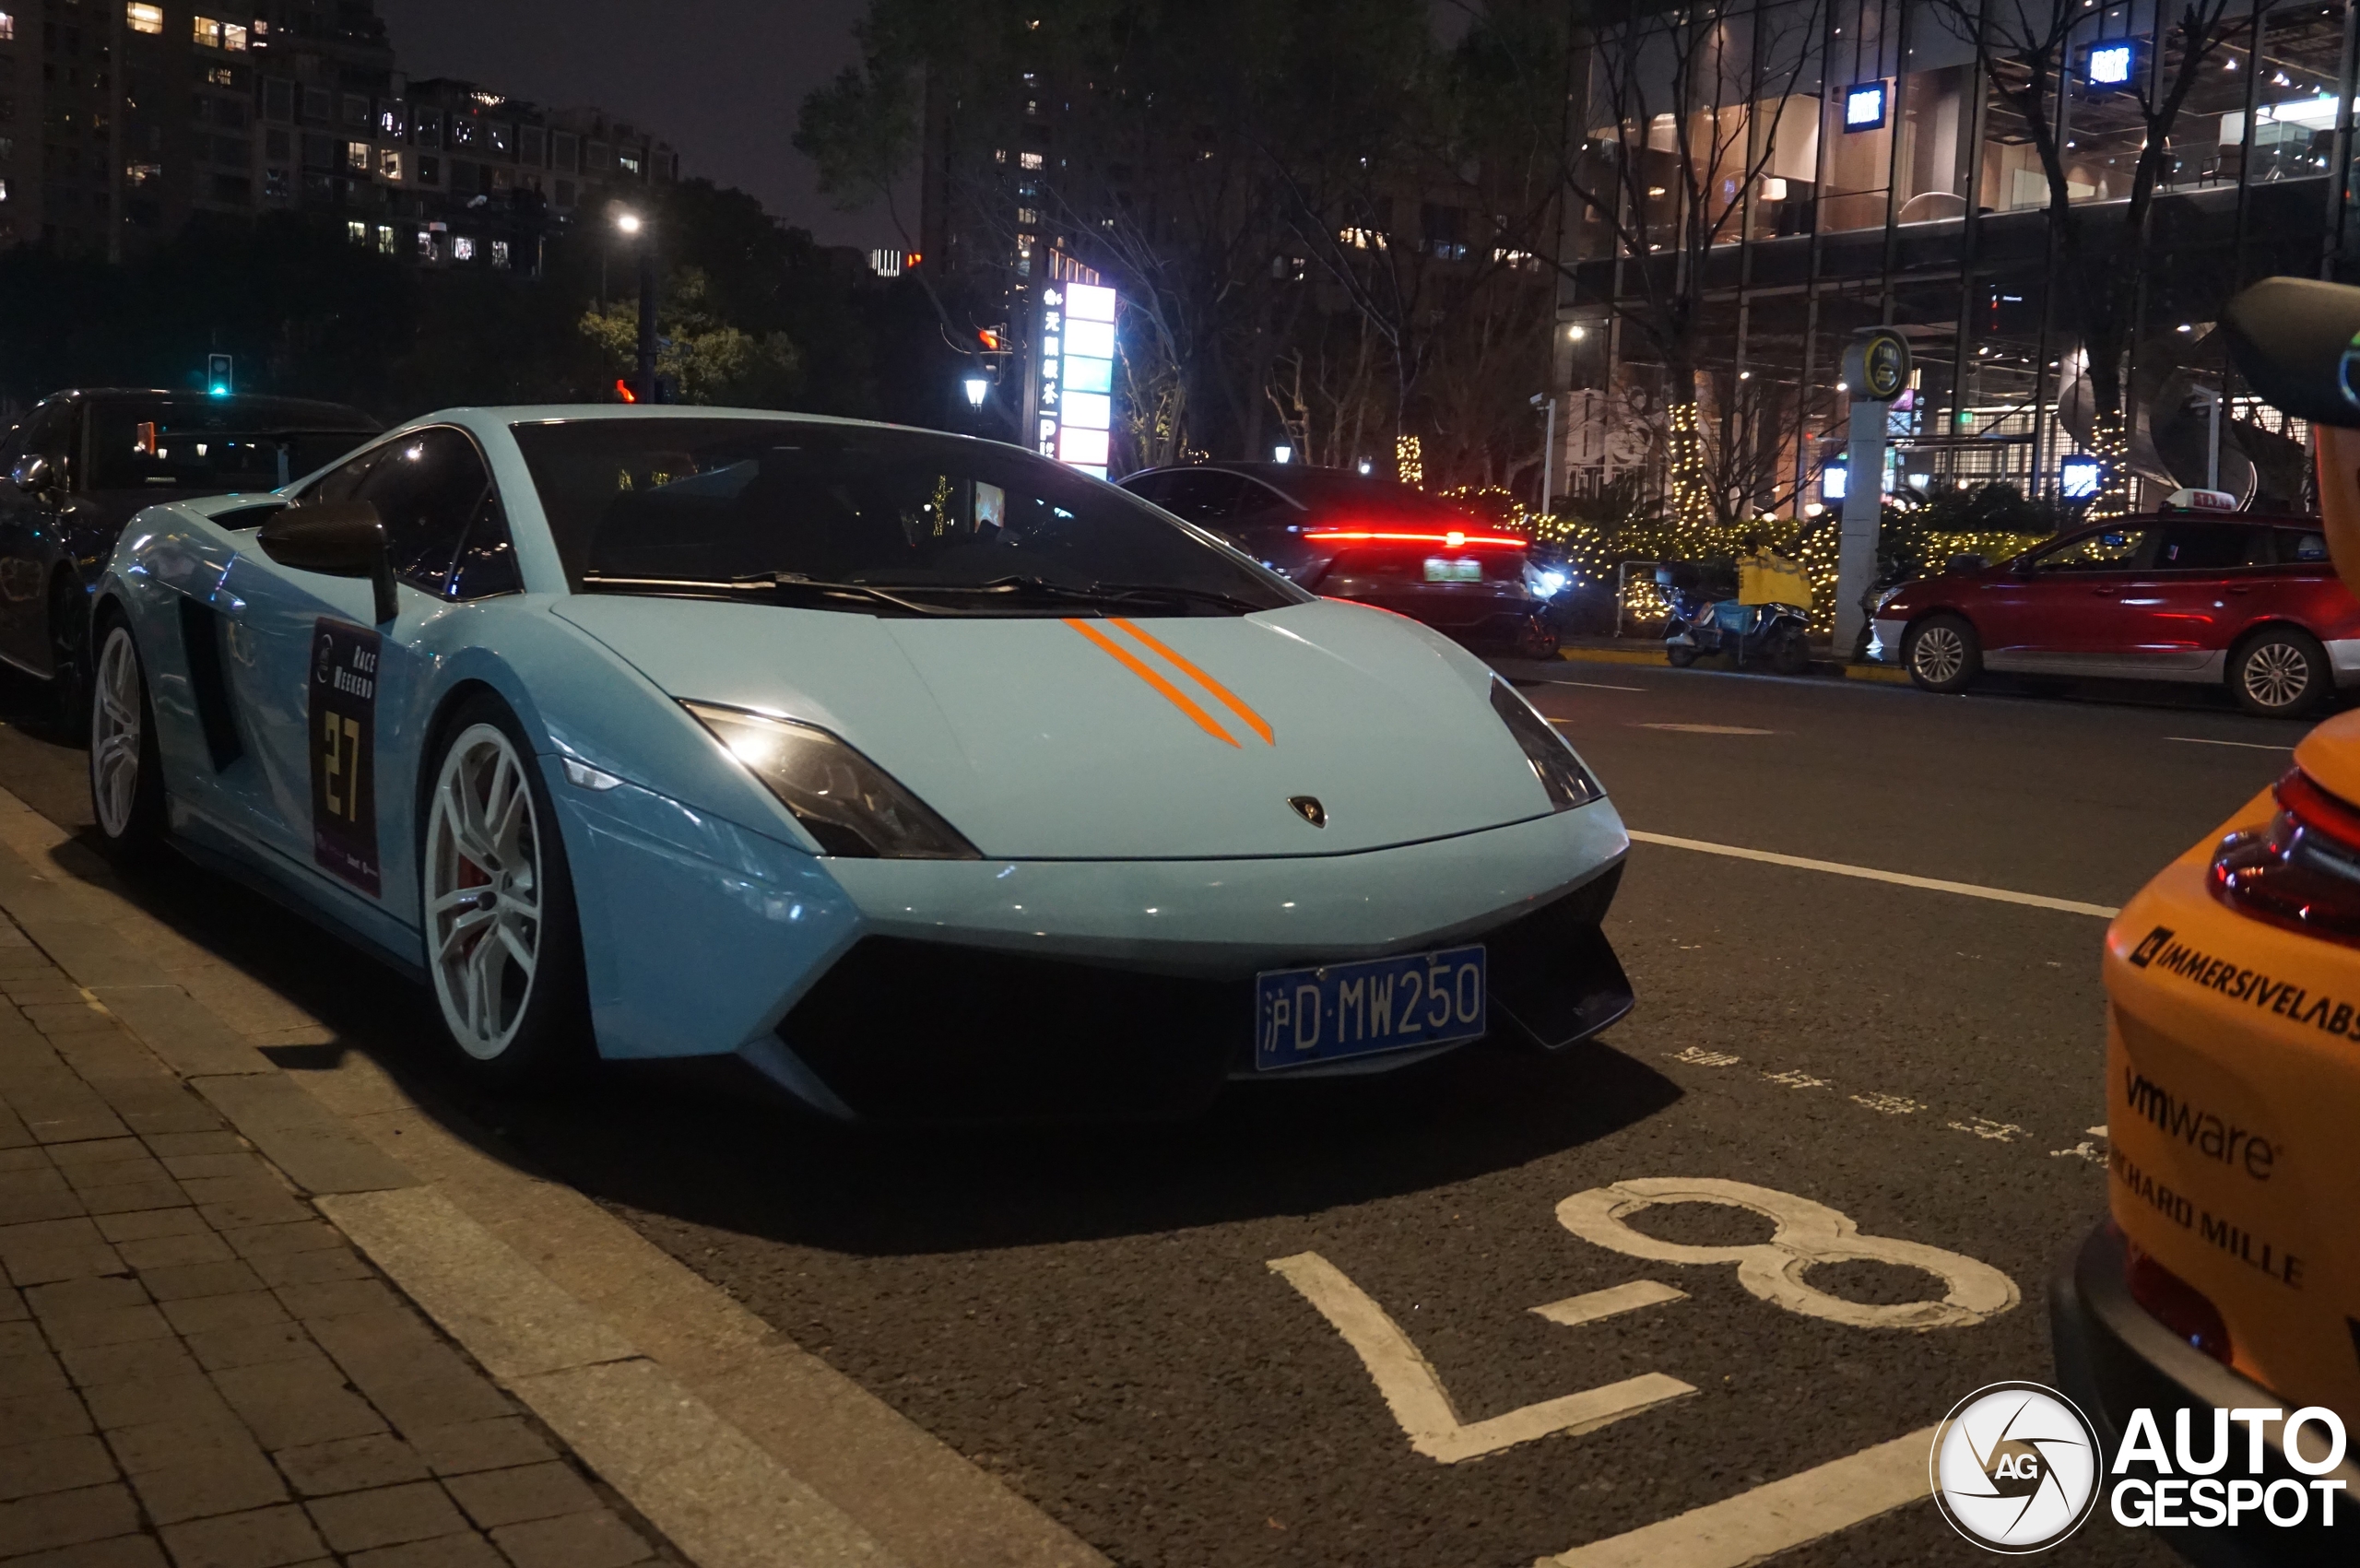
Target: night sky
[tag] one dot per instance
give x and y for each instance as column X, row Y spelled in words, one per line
column 719, row 79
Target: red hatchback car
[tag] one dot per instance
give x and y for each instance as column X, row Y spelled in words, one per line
column 2251, row 601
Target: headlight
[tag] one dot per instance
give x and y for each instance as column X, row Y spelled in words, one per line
column 1548, row 584
column 846, row 802
column 1561, row 772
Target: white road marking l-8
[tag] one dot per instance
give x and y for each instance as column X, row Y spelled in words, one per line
column 1414, row 1392
column 1807, row 1234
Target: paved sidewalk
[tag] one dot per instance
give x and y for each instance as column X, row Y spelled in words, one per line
column 196, row 1369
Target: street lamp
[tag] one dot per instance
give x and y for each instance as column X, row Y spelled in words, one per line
column 977, row 387
column 644, row 377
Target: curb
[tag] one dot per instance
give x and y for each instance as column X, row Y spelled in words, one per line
column 1882, row 674
column 740, row 1449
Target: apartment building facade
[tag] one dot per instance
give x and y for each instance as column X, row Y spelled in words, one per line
column 122, row 120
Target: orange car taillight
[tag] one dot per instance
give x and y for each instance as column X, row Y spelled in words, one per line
column 2176, row 1304
column 2304, row 869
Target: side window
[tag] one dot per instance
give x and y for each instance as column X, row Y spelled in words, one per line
column 2301, row 546
column 343, row 481
column 50, row 434
column 427, row 489
column 2210, row 546
column 1207, row 497
column 487, row 560
column 2111, row 549
column 1259, row 503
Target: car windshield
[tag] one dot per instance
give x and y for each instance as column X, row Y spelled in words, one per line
column 867, row 521
column 191, row 445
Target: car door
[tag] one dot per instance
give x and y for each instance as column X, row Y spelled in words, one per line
column 312, row 671
column 2198, row 591
column 30, row 516
column 2061, row 608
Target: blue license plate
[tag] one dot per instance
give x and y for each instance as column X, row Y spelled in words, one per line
column 1357, row 1009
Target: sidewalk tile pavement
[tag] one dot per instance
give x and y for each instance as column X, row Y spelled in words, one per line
column 196, row 1371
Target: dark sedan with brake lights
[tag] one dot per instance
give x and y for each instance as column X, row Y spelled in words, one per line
column 1349, row 537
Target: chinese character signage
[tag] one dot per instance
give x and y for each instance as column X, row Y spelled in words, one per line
column 1077, row 401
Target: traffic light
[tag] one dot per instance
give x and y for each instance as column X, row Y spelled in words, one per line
column 217, row 380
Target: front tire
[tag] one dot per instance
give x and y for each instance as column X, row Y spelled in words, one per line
column 2281, row 672
column 126, row 766
column 503, row 943
column 1791, row 655
column 1680, row 658
column 1942, row 653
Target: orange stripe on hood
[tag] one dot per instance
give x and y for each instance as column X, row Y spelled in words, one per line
column 1222, row 694
column 1138, row 666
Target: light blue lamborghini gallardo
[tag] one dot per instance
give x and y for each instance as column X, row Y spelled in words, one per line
column 928, row 777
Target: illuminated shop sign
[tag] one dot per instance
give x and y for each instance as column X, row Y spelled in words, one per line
column 2110, row 64
column 1864, row 106
column 1077, row 375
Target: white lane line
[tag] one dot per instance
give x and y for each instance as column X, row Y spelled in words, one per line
column 2243, row 744
column 1869, row 873
column 1773, row 1518
column 1415, row 1393
column 1593, row 686
column 1591, row 1305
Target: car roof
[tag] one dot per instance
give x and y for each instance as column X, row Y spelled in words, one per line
column 1309, row 486
column 306, row 412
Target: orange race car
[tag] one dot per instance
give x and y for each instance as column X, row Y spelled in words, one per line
column 2218, row 1308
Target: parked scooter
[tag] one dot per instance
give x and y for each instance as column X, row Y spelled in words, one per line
column 1702, row 624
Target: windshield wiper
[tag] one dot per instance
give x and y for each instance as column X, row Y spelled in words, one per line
column 766, row 585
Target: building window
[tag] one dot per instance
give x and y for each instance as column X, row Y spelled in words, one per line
column 357, row 231
column 594, row 159
column 276, row 184
column 462, row 131
column 535, row 148
column 499, row 254
column 386, row 238
column 430, row 130
column 317, row 105
column 1027, row 215
column 234, row 189
column 357, row 157
column 389, row 164
column 503, row 137
column 567, row 148
column 430, row 170
column 211, row 33
column 1028, row 161
column 629, row 161
column 427, row 249
column 277, row 144
column 141, row 18
column 356, row 111
column 393, row 122
column 463, row 247
column 8, row 28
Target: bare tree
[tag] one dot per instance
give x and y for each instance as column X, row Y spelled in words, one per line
column 2027, row 50
column 1674, row 120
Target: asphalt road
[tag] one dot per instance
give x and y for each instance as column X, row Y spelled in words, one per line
column 1091, row 1313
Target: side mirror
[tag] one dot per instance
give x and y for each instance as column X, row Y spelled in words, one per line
column 2292, row 339
column 342, row 538
column 31, row 474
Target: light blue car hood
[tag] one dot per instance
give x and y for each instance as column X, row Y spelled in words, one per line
column 1037, row 741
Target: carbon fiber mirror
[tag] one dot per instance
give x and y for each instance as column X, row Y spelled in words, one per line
column 336, row 538
column 2296, row 342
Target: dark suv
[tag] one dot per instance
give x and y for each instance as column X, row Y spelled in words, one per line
column 1347, row 536
column 83, row 463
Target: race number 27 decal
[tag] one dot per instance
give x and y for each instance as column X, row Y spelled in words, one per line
column 343, row 753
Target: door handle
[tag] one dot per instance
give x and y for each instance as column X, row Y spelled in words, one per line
column 2241, row 590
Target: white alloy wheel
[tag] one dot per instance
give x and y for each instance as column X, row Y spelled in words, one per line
column 115, row 735
column 483, row 891
column 2277, row 674
column 1938, row 656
